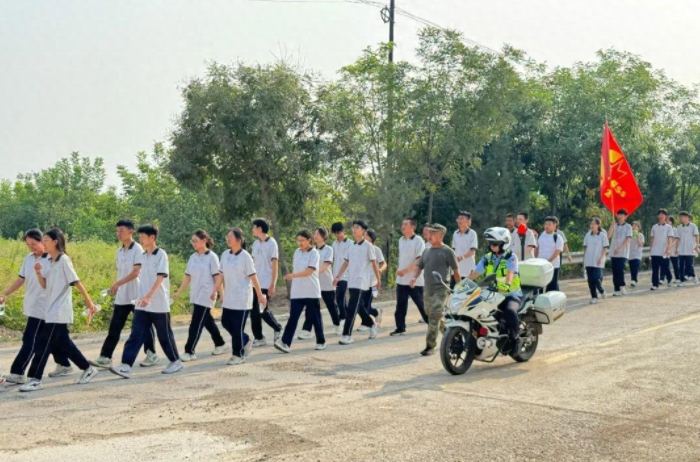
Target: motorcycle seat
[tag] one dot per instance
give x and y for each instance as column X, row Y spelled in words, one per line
column 529, row 293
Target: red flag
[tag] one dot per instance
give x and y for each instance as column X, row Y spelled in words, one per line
column 618, row 187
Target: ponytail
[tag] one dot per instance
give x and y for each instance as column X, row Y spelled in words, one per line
column 57, row 235
column 238, row 233
column 203, row 235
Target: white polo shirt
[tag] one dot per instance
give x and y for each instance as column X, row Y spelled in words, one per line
column 360, row 258
column 622, row 232
column 326, row 278
column 263, row 254
column 686, row 234
column 516, row 247
column 463, row 243
column 34, row 295
column 202, row 269
column 154, row 265
column 380, row 259
column 60, row 277
column 660, row 234
column 308, row 287
column 636, row 248
column 127, row 258
column 238, row 288
column 594, row 244
column 547, row 247
column 340, row 254
column 410, row 250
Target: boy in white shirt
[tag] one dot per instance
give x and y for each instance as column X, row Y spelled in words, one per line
column 687, row 247
column 550, row 246
column 662, row 239
column 265, row 254
column 465, row 244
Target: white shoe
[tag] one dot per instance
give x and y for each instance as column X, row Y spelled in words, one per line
column 681, row 284
column 151, row 360
column 220, row 350
column 278, row 336
column 305, row 334
column 187, row 357
column 101, row 362
column 670, row 285
column 248, row 348
column 32, row 385
column 378, row 318
column 338, row 330
column 678, row 284
column 594, row 301
column 695, row 280
column 373, row 332
column 123, row 371
column 604, row 295
column 617, row 293
column 173, row 367
column 653, row 288
column 633, row 283
column 88, row 374
column 346, row 340
column 60, row 371
column 362, row 329
column 282, row 347
column 320, row 346
column 16, row 379
column 260, row 343
column 235, row 361
column 623, row 291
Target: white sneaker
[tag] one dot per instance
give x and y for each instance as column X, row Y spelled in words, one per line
column 151, row 360
column 248, row 348
column 653, row 288
column 594, row 301
column 669, row 285
column 282, row 347
column 187, row 357
column 681, row 284
column 695, row 280
column 221, row 350
column 123, row 371
column 346, row 340
column 338, row 330
column 88, row 374
column 378, row 318
column 678, row 283
column 617, row 293
column 60, row 371
column 604, row 295
column 373, row 332
column 103, row 362
column 173, row 367
column 623, row 291
column 320, row 346
column 16, row 379
column 260, row 343
column 305, row 334
column 633, row 283
column 32, row 385
column 362, row 328
column 235, row 361
column 278, row 336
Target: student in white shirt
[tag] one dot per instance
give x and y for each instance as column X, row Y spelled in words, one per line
column 371, row 237
column 523, row 239
column 688, row 240
column 636, row 249
column 265, row 253
column 200, row 275
column 125, row 291
column 673, row 256
column 341, row 247
column 596, row 246
column 550, row 246
column 152, row 306
column 411, row 248
column 304, row 294
column 34, row 308
column 58, row 279
column 662, row 239
column 465, row 244
column 620, row 237
column 239, row 280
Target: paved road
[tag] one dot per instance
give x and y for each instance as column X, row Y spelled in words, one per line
column 615, row 381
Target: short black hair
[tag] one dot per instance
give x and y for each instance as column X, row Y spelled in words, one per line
column 551, row 219
column 664, row 211
column 465, row 214
column 263, row 224
column 510, row 215
column 337, row 227
column 672, row 220
column 685, row 214
column 34, row 233
column 372, row 234
column 361, row 223
column 525, row 214
column 305, row 234
column 426, row 225
column 622, row 212
column 148, row 229
column 413, row 222
column 125, row 222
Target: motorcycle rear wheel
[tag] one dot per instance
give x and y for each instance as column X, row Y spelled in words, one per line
column 530, row 337
column 457, row 350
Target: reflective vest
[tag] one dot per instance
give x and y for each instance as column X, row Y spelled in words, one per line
column 500, row 267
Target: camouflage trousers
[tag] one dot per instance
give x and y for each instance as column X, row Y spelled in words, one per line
column 434, row 300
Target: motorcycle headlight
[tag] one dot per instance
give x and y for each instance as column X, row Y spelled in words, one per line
column 455, row 305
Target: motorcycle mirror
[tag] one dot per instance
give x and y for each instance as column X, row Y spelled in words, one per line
column 490, row 278
column 437, row 276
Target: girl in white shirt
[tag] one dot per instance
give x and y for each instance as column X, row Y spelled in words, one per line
column 636, row 247
column 675, row 261
column 57, row 279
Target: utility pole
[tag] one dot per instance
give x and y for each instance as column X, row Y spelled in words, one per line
column 388, row 15
column 392, row 8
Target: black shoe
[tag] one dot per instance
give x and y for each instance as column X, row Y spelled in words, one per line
column 516, row 348
column 428, row 351
column 398, row 332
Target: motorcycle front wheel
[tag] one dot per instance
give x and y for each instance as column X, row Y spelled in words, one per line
column 530, row 337
column 457, row 350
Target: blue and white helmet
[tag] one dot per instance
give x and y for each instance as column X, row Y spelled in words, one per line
column 498, row 236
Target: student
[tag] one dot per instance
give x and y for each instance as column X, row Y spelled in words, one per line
column 621, row 236
column 34, row 308
column 125, row 291
column 341, row 247
column 550, row 246
column 411, row 248
column 465, row 244
column 595, row 245
column 688, row 239
column 673, row 256
column 305, row 293
column 239, row 279
column 57, row 279
column 371, row 237
column 566, row 250
column 360, row 261
column 426, row 232
column 202, row 272
column 152, row 306
column 523, row 239
column 636, row 248
column 662, row 240
column 325, row 277
column 266, row 258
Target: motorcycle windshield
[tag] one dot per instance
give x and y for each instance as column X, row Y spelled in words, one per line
column 465, row 286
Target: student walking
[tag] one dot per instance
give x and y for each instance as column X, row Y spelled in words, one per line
column 239, row 279
column 595, row 245
column 621, row 236
column 371, row 237
column 200, row 275
column 465, row 244
column 550, row 247
column 411, row 248
column 34, row 308
column 688, row 240
column 636, row 248
column 266, row 258
column 125, row 292
column 305, row 293
column 152, row 306
column 523, row 241
column 673, row 256
column 662, row 239
column 341, row 248
column 57, row 279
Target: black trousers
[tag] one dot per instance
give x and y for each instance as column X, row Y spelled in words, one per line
column 509, row 310
column 202, row 318
column 116, row 325
column 634, row 269
column 357, row 298
column 234, row 322
column 554, row 283
column 141, row 327
column 340, row 298
column 676, row 267
column 618, row 270
column 328, row 297
column 54, row 337
column 594, row 277
column 313, row 314
column 26, row 351
column 660, row 270
column 257, row 317
column 402, row 294
column 686, row 267
column 368, row 304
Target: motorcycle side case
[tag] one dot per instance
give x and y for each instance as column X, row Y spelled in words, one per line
column 549, row 307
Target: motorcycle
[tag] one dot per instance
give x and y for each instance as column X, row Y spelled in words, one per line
column 475, row 329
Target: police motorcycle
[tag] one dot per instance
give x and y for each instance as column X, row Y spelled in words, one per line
column 475, row 329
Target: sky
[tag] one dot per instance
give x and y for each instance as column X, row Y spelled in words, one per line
column 103, row 77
